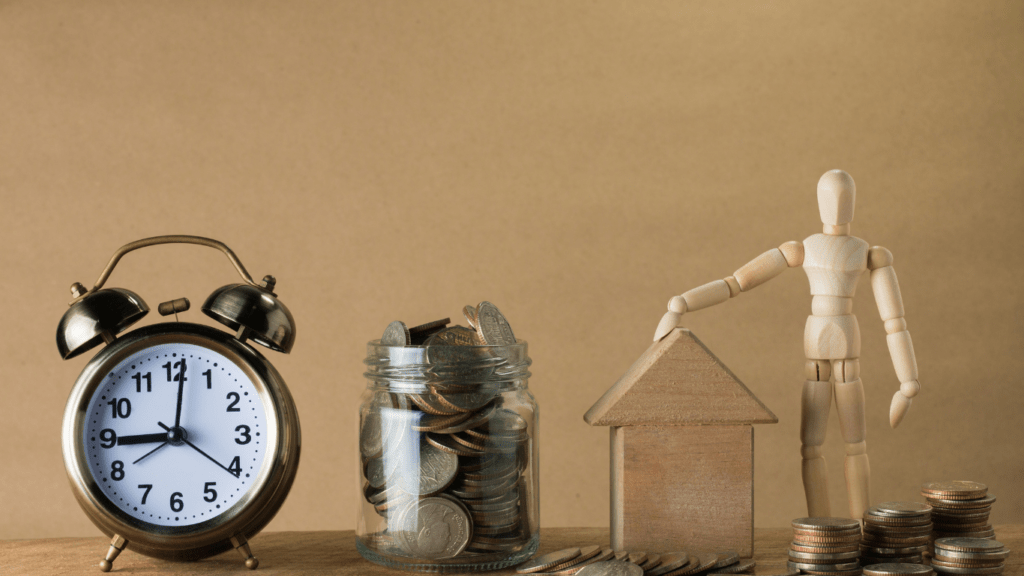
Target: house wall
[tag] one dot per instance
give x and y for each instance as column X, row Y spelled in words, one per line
column 682, row 487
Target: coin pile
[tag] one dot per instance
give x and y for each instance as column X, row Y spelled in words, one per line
column 896, row 532
column 592, row 561
column 445, row 459
column 825, row 546
column 969, row 556
column 960, row 508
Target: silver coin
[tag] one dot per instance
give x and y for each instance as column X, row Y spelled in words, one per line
column 492, row 326
column 434, row 529
column 611, row 568
column 671, row 562
column 826, row 524
column 970, row 571
column 822, row 567
column 396, row 334
column 436, row 471
column 995, row 555
column 375, row 473
column 900, row 568
column 823, row 558
column 727, row 558
column 742, row 566
column 370, row 441
column 470, row 312
column 969, row 544
column 902, row 509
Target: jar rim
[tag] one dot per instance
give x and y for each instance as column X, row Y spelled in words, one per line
column 411, row 368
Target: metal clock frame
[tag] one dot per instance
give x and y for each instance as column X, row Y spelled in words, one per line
column 245, row 518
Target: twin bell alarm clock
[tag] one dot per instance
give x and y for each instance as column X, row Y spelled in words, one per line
column 180, row 440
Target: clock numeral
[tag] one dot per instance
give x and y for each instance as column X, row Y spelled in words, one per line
column 147, row 488
column 171, row 376
column 244, row 431
column 108, row 437
column 117, row 470
column 139, row 377
column 208, row 489
column 232, row 407
column 209, row 378
column 120, row 408
column 235, row 467
column 177, row 504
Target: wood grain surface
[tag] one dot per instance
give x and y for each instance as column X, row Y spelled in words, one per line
column 678, row 381
column 334, row 553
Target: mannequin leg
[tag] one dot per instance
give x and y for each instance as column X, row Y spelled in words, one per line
column 852, row 423
column 815, row 404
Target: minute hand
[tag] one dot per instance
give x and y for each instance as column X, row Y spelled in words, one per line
column 181, row 389
column 210, row 458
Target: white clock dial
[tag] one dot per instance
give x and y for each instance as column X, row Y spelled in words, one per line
column 175, row 435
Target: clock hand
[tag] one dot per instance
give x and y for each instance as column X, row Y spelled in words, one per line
column 196, row 448
column 142, row 439
column 181, row 388
column 151, row 451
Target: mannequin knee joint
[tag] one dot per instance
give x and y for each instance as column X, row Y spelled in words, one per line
column 856, row 448
column 810, row 452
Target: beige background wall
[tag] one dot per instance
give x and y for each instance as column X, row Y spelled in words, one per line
column 576, row 163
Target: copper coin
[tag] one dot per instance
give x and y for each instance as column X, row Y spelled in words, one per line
column 707, row 560
column 670, row 562
column 824, row 549
column 823, row 567
column 869, row 560
column 652, row 561
column 830, row 533
column 419, row 334
column 834, row 558
column 804, row 539
column 637, row 558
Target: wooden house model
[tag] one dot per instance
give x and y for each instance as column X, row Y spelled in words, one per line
column 682, row 451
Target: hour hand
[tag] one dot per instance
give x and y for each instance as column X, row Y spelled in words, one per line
column 142, row 439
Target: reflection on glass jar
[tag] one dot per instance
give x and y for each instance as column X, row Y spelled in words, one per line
column 448, row 458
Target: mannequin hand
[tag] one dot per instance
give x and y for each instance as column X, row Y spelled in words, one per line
column 901, row 402
column 668, row 323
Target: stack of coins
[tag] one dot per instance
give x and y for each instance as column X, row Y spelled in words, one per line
column 825, row 546
column 896, row 532
column 969, row 556
column 960, row 508
column 446, row 463
column 589, row 562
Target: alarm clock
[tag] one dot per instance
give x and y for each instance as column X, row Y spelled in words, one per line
column 180, row 440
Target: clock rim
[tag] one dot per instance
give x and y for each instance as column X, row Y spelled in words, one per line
column 246, row 517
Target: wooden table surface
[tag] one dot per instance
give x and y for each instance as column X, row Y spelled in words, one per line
column 335, row 553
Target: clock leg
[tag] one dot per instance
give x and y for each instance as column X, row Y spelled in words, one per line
column 117, row 544
column 242, row 545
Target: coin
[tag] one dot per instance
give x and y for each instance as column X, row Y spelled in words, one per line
column 670, row 562
column 901, row 509
column 897, row 569
column 826, row 524
column 396, row 334
column 541, row 563
column 637, row 558
column 742, row 566
column 492, row 327
column 700, row 562
column 807, row 566
column 652, row 561
column 823, row 558
column 419, row 334
column 958, row 570
column 470, row 312
column 375, row 473
column 586, row 553
column 968, row 545
column 436, row 471
column 727, row 558
column 955, row 489
column 611, row 568
column 828, row 549
column 434, row 529
column 829, row 540
column 606, row 554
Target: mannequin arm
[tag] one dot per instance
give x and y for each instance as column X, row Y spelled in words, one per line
column 901, row 347
column 749, row 276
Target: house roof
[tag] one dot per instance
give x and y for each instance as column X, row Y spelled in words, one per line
column 678, row 381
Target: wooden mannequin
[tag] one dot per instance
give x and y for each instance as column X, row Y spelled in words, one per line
column 833, row 262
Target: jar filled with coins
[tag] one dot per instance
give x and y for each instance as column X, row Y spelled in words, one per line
column 448, row 457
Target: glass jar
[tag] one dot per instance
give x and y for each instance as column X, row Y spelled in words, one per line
column 448, row 475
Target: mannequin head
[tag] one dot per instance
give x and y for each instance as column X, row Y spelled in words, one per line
column 836, row 196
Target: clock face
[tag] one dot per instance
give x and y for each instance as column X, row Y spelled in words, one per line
column 175, row 434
